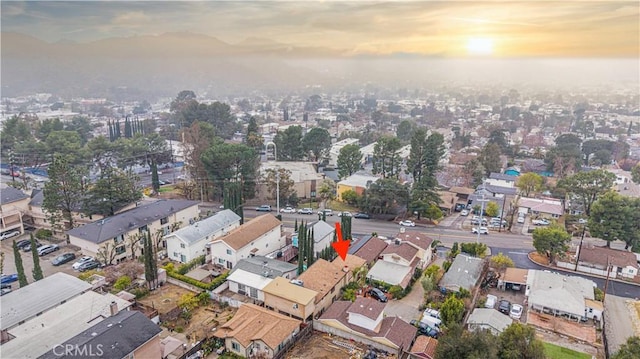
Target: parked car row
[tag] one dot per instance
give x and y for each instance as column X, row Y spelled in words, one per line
column 513, row 310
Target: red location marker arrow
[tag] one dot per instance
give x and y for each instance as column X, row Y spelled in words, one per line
column 341, row 246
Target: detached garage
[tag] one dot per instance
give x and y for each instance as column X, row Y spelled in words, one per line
column 514, row 279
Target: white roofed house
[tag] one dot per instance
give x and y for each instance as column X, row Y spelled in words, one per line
column 251, row 275
column 559, row 295
column 260, row 236
column 190, row 242
column 322, row 236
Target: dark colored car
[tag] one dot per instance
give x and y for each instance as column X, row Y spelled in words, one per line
column 378, row 294
column 362, row 215
column 88, row 266
column 504, row 307
column 21, row 244
column 27, row 247
column 8, row 278
column 63, row 258
column 424, row 329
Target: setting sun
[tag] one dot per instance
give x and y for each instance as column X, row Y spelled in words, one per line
column 479, row 46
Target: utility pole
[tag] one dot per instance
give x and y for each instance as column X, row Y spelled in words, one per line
column 481, row 216
column 277, row 189
column 606, row 283
column 584, row 228
column 504, row 200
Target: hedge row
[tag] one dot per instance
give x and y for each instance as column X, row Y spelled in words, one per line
column 206, row 286
column 184, row 268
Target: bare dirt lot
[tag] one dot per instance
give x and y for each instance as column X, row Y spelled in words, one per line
column 203, row 319
column 321, row 346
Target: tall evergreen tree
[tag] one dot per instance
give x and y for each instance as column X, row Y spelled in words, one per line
column 127, row 128
column 311, row 245
column 22, row 278
column 301, row 250
column 155, row 180
column 117, row 130
column 37, row 271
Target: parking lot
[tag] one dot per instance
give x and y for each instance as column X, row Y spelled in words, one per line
column 9, row 266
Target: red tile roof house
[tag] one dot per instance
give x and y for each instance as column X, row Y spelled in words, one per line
column 424, row 348
column 363, row 321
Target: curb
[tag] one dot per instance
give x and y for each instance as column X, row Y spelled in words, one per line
column 578, row 272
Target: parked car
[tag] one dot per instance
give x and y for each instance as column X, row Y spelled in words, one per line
column 345, row 214
column 362, row 215
column 464, row 212
column 23, row 243
column 8, row 278
column 305, row 210
column 10, row 234
column 481, row 230
column 27, row 247
column 516, row 311
column 516, row 287
column 582, row 221
column 4, row 291
column 425, row 329
column 288, row 209
column 47, row 248
column 93, row 264
column 378, row 294
column 491, row 301
column 541, row 222
column 520, row 219
column 327, row 212
column 407, row 223
column 81, row 261
column 504, row 307
column 264, row 208
column 431, row 321
column 63, row 258
column 431, row 312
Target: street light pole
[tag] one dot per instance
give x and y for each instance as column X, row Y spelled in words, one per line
column 481, row 217
column 277, row 190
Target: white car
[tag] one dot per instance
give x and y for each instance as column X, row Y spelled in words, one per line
column 491, row 301
column 582, row 221
column 516, row 311
column 520, row 219
column 7, row 235
column 345, row 214
column 407, row 223
column 541, row 222
column 81, row 261
column 288, row 210
column 481, row 230
column 464, row 212
column 47, row 248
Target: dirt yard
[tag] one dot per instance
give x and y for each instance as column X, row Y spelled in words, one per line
column 321, row 346
column 203, row 319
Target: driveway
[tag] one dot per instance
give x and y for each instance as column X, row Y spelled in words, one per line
column 618, row 324
column 407, row 307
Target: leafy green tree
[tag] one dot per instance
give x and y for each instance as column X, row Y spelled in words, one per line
column 198, row 138
column 490, row 158
column 405, row 130
column 635, row 173
column 497, row 137
column 37, row 270
column 474, row 249
column 350, row 196
column 46, row 126
column 122, row 283
column 289, row 144
column 433, row 212
column 386, row 157
column 384, row 195
column 473, row 172
column 326, row 191
column 63, row 193
column 551, row 241
column 113, row 190
column 287, row 185
column 588, row 186
column 253, row 138
column 529, row 183
column 456, row 343
column 22, row 278
column 518, row 341
column 423, row 164
column 452, row 311
column 565, row 156
column 103, row 152
column 615, row 217
column 628, row 350
column 316, row 141
column 349, row 160
column 68, row 144
column 501, row 261
column 15, row 130
column 232, row 162
column 492, row 209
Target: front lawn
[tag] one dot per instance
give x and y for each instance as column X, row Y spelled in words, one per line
column 557, row 352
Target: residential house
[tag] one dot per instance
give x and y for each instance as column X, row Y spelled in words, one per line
column 423, row 348
column 326, row 279
column 334, row 151
column 448, row 201
column 501, row 180
column 396, row 266
column 305, row 177
column 559, row 295
column 250, row 275
column 419, row 240
column 190, row 242
column 38, row 297
column 349, row 266
column 364, row 321
column 285, row 297
column 488, row 319
column 124, row 335
column 260, row 236
column 118, row 237
column 257, row 332
column 39, row 334
column 322, row 236
column 594, row 259
column 368, row 248
column 541, row 207
column 464, row 273
column 356, row 182
column 463, row 194
column 14, row 204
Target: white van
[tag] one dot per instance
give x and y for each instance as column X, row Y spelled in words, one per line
column 491, row 301
column 431, row 321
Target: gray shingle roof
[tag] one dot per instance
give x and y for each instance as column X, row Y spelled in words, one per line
column 111, row 227
column 321, row 229
column 201, row 229
column 117, row 336
column 502, row 176
column 464, row 273
column 10, row 194
column 38, row 297
column 259, row 264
